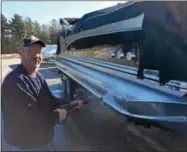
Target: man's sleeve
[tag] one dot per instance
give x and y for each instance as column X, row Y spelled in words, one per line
column 56, row 102
column 20, row 100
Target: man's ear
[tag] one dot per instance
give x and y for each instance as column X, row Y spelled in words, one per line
column 20, row 51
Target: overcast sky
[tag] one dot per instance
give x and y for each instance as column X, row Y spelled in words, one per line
column 45, row 11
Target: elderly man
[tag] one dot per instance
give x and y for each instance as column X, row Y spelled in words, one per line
column 29, row 109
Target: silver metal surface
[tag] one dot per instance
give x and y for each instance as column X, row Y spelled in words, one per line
column 118, row 73
column 127, row 95
column 149, row 74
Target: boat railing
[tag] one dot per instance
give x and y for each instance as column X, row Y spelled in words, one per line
column 148, row 74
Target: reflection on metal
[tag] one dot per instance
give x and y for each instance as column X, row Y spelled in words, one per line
column 126, row 94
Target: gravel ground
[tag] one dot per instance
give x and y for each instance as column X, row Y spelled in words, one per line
column 97, row 127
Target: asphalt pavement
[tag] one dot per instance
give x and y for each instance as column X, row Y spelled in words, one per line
column 98, row 128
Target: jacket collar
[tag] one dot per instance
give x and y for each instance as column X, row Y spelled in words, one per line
column 23, row 70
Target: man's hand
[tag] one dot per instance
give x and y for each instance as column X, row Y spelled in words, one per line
column 62, row 114
column 80, row 104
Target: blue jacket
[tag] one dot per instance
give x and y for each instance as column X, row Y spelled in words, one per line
column 27, row 108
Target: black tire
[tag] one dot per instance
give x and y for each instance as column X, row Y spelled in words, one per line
column 68, row 88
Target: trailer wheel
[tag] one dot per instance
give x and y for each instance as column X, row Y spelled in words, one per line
column 68, row 87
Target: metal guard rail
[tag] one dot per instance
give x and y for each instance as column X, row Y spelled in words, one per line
column 127, row 95
column 126, row 69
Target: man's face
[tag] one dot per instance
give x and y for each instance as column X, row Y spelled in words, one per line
column 32, row 57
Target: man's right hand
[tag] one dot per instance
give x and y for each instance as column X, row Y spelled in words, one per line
column 62, row 114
